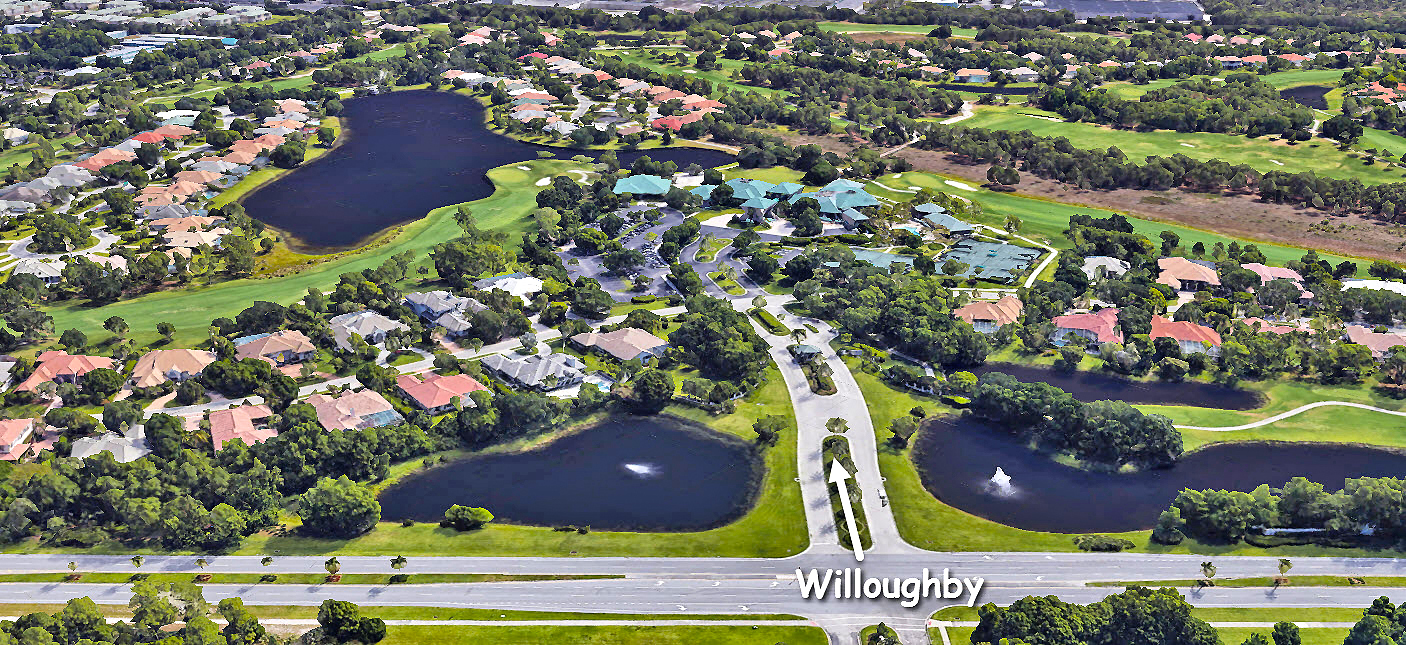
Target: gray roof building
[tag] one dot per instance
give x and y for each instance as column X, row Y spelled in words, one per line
column 371, row 326
column 533, row 371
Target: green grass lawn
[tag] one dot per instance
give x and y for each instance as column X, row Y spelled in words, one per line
column 1312, row 636
column 291, row 578
column 726, row 284
column 612, row 635
column 1217, row 614
column 708, row 251
column 1047, row 219
column 23, row 153
column 927, row 523
column 1316, row 155
column 855, row 27
column 775, row 527
column 192, row 308
column 1300, row 77
column 720, row 78
column 1332, row 424
column 1041, row 218
column 1294, row 581
column 411, row 613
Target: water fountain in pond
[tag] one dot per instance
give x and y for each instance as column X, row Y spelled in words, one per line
column 1000, row 483
column 642, row 470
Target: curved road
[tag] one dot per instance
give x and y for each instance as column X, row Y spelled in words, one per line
column 1296, row 411
column 747, row 585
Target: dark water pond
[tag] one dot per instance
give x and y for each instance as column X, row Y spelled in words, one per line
column 629, row 473
column 1311, row 96
column 1093, row 386
column 956, row 458
column 405, row 154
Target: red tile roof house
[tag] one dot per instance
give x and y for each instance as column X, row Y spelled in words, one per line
column 62, row 367
column 1379, row 343
column 1261, row 325
column 354, row 410
column 149, row 137
column 247, row 423
column 1101, row 327
column 436, row 393
column 1184, row 275
column 986, row 317
column 1269, row 274
column 13, row 433
column 1193, row 338
column 279, row 348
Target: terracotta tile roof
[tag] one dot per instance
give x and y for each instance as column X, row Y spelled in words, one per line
column 238, row 424
column 174, row 131
column 1183, row 330
column 1001, row 312
column 1174, row 270
column 1262, row 325
column 152, row 368
column 353, row 410
column 54, row 364
column 283, row 341
column 625, row 343
column 13, row 431
column 435, row 391
column 1379, row 343
column 1103, row 324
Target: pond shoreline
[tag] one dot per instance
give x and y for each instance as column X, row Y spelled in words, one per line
column 425, row 150
column 956, row 456
column 649, row 487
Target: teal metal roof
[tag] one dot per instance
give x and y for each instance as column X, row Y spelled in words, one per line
column 952, row 224
column 785, row 188
column 995, row 262
column 843, row 184
column 642, row 185
column 748, row 188
column 762, row 203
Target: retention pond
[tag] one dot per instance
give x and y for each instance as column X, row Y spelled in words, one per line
column 627, row 473
column 1094, row 386
column 402, row 155
column 957, row 457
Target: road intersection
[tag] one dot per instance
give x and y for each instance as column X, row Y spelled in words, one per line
column 748, row 586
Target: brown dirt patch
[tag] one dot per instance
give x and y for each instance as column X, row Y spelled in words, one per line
column 1236, row 215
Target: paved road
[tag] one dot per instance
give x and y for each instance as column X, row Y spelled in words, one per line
column 812, row 412
column 673, row 597
column 1053, row 570
column 1299, row 410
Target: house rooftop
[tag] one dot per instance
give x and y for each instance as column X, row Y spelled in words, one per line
column 1001, row 312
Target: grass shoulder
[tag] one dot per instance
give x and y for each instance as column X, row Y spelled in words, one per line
column 774, row 527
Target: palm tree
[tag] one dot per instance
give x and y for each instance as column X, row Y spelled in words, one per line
column 268, row 559
column 398, row 562
column 202, row 563
column 332, row 566
column 1208, row 570
column 798, row 335
column 137, row 561
column 72, row 566
column 1284, row 565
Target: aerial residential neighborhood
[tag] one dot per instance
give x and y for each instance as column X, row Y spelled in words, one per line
column 627, row 322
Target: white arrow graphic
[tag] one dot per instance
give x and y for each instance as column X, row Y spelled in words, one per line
column 838, row 475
